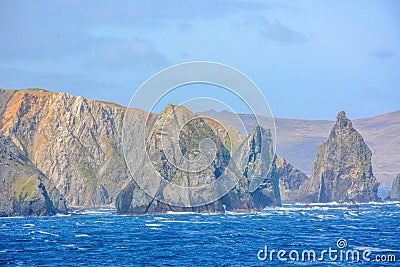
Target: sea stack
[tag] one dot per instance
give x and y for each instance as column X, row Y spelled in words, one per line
column 394, row 194
column 342, row 171
column 193, row 130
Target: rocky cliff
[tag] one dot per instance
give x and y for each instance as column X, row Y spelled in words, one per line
column 193, row 131
column 342, row 171
column 74, row 141
column 24, row 190
column 290, row 179
column 255, row 158
column 77, row 144
column 395, row 191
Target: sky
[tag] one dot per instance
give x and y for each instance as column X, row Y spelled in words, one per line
column 311, row 59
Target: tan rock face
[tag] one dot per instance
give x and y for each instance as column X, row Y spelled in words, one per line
column 342, row 171
column 24, row 190
column 77, row 144
column 73, row 141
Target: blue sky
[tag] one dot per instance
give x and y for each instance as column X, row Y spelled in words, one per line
column 310, row 58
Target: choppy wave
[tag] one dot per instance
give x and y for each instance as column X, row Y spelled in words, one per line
column 103, row 238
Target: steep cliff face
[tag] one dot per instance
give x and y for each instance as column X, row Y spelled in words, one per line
column 24, row 190
column 290, row 180
column 74, row 141
column 395, row 191
column 342, row 171
column 174, row 139
column 255, row 158
column 167, row 154
column 77, row 144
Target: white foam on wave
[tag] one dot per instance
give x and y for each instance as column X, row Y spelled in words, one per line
column 63, row 215
column 382, row 203
column 82, row 235
column 97, row 212
column 159, row 218
column 200, row 222
column 153, row 224
column 327, row 217
column 375, row 249
column 352, row 213
column 11, row 217
column 351, row 218
column 181, row 212
column 47, row 233
column 175, row 221
column 333, row 203
column 308, row 207
column 29, row 225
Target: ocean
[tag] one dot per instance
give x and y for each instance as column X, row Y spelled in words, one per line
column 317, row 235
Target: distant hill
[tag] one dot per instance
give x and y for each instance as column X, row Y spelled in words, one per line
column 297, row 140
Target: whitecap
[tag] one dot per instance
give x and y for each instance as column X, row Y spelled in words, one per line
column 181, row 212
column 263, row 213
column 63, row 215
column 160, row 218
column 98, row 212
column 156, row 229
column 82, row 235
column 206, row 222
column 47, row 233
column 175, row 221
column 153, row 224
column 327, row 216
column 12, row 217
column 375, row 249
column 29, row 225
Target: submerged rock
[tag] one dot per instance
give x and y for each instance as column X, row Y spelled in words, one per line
column 342, row 171
column 24, row 190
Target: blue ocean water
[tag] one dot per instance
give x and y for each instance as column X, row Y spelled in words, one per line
column 102, row 238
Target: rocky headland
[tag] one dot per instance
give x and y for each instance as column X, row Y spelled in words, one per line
column 59, row 151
